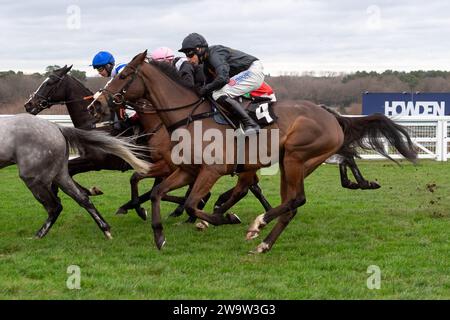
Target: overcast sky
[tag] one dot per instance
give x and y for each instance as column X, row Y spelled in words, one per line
column 287, row 35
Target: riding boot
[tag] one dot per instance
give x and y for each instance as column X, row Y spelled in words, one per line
column 249, row 126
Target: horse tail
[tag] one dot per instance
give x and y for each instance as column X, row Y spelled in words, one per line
column 78, row 139
column 368, row 132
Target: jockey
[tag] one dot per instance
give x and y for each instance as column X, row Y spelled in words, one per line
column 192, row 75
column 229, row 73
column 104, row 63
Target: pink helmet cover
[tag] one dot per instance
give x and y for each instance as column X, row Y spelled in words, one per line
column 162, row 53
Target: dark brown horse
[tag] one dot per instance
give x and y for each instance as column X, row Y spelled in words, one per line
column 308, row 135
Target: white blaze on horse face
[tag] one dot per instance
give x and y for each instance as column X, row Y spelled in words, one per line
column 96, row 95
column 37, row 90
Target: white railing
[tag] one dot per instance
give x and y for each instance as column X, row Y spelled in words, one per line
column 430, row 134
column 62, row 119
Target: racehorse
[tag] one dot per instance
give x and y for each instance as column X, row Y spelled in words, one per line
column 308, row 135
column 41, row 151
column 61, row 88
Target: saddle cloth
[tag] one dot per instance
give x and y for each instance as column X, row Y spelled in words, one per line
column 259, row 109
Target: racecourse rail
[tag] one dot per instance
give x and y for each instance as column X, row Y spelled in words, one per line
column 431, row 134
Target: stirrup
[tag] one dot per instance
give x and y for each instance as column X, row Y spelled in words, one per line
column 249, row 131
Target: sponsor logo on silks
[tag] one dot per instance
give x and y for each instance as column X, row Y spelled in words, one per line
column 241, row 77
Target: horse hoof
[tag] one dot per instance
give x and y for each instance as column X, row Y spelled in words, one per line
column 233, row 218
column 261, row 248
column 121, row 211
column 255, row 227
column 108, row 235
column 374, row 185
column 38, row 235
column 202, row 225
column 252, row 234
column 95, row 191
column 351, row 186
column 160, row 242
column 142, row 213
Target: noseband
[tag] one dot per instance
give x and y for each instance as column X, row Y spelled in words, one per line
column 116, row 100
column 46, row 100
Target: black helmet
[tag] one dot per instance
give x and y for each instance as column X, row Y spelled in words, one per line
column 193, row 41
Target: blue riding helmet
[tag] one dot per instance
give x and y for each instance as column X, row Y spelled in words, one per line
column 102, row 58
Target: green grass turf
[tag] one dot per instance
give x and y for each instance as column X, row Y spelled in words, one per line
column 323, row 254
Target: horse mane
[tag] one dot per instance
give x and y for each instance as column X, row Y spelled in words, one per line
column 67, row 74
column 80, row 84
column 169, row 70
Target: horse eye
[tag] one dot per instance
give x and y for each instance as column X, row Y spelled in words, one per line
column 122, row 77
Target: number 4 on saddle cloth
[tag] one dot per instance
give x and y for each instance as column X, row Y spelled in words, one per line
column 258, row 104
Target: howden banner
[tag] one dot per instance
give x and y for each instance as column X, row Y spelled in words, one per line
column 406, row 104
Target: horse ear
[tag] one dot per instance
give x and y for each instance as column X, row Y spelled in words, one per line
column 139, row 58
column 69, row 67
column 143, row 56
column 65, row 69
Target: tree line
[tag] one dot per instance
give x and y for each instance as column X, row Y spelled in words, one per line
column 340, row 91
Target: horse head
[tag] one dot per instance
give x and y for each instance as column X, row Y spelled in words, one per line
column 127, row 85
column 50, row 92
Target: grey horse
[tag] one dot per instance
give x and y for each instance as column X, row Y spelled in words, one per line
column 41, row 150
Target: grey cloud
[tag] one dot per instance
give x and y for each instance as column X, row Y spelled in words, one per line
column 295, row 35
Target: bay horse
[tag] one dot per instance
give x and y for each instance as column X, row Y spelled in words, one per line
column 308, row 135
column 41, row 150
column 61, row 88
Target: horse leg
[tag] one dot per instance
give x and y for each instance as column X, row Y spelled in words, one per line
column 179, row 210
column 69, row 187
column 202, row 186
column 362, row 183
column 257, row 192
column 134, row 181
column 52, row 204
column 293, row 196
column 246, row 181
column 237, row 193
column 345, row 181
column 136, row 200
column 223, row 198
column 294, row 173
column 81, row 165
column 177, row 179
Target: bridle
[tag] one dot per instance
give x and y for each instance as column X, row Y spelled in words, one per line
column 46, row 101
column 115, row 100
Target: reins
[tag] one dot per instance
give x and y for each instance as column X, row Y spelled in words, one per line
column 117, row 100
